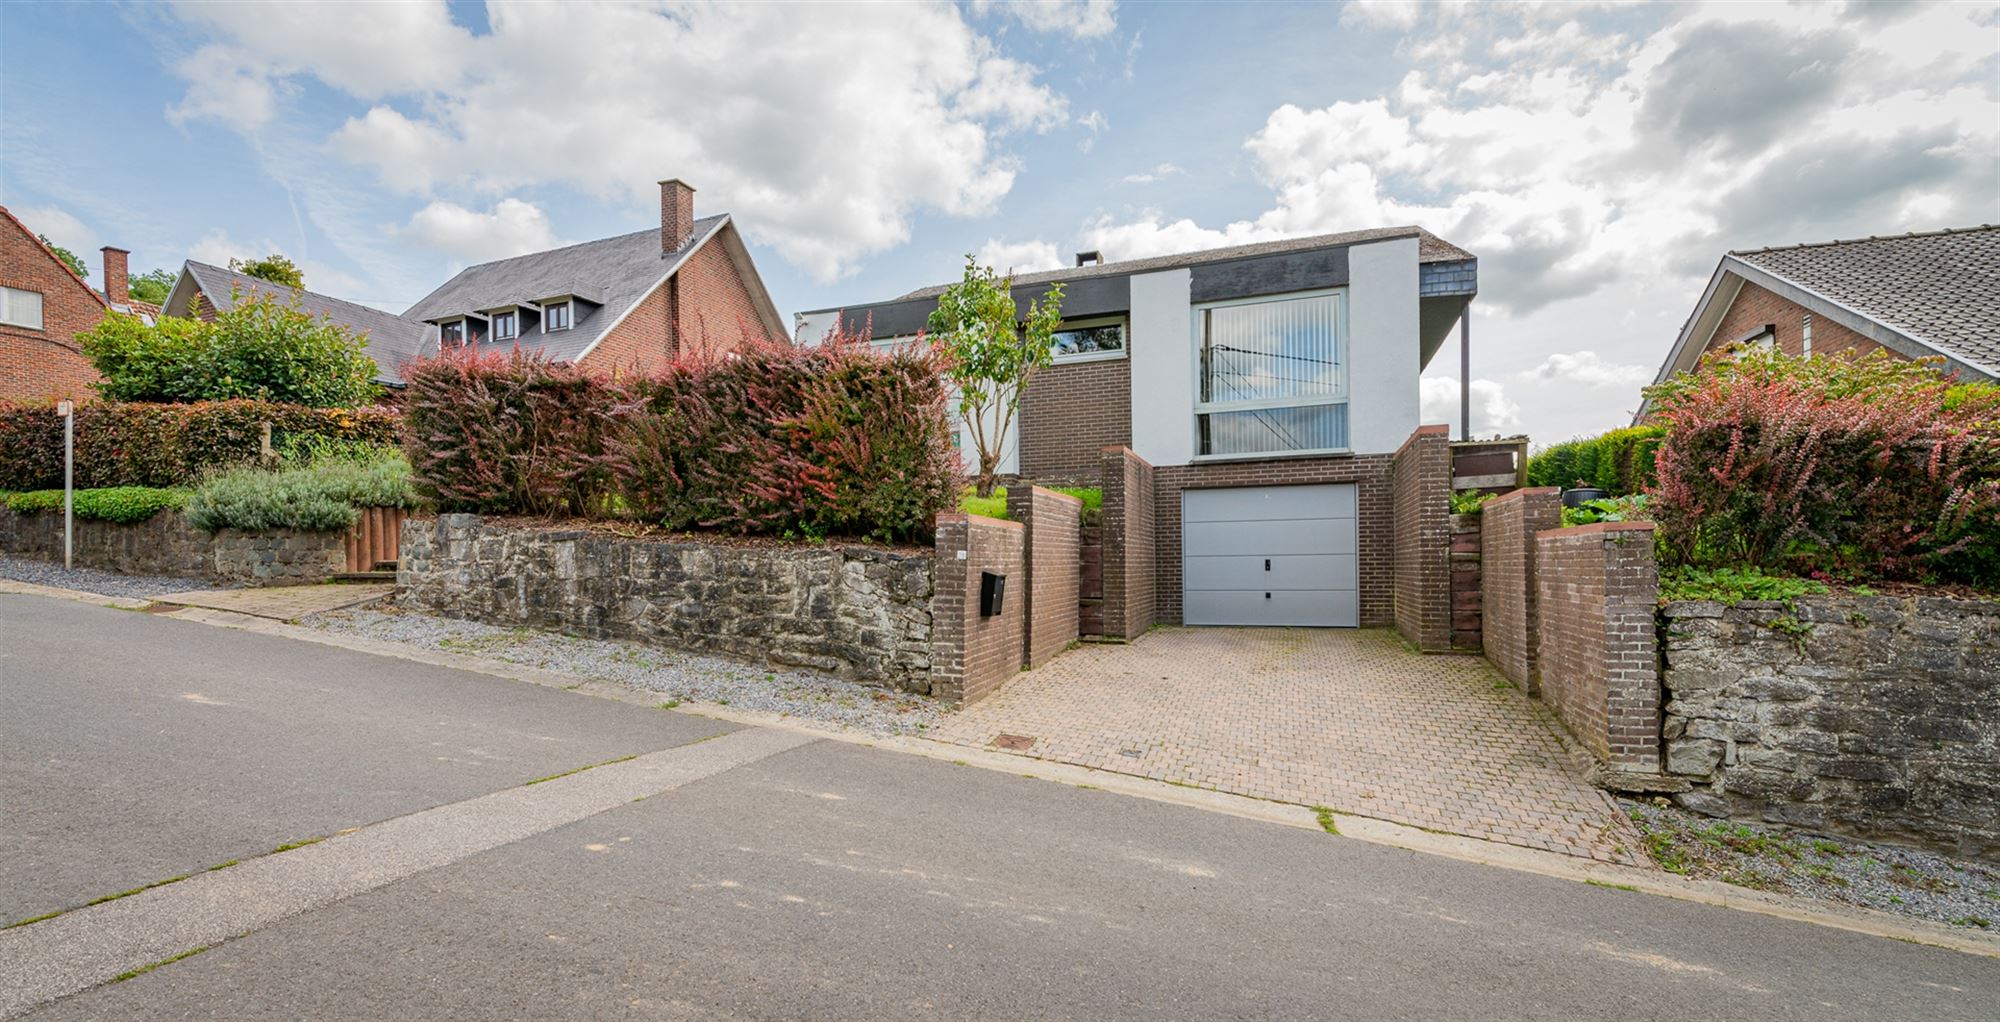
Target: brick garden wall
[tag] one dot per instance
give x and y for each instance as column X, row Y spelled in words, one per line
column 971, row 655
column 1051, row 524
column 1872, row 715
column 1135, row 594
column 1509, row 623
column 1420, row 526
column 1596, row 590
column 166, row 544
column 1069, row 414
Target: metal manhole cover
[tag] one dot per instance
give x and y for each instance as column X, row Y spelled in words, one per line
column 1017, row 743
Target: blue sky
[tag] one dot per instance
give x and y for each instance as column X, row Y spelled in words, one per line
column 1598, row 160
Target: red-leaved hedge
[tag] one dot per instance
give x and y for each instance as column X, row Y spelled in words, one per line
column 1869, row 466
column 134, row 444
column 835, row 440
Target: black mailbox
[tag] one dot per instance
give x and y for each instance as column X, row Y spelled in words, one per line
column 992, row 590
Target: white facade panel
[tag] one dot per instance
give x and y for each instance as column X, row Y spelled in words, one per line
column 1385, row 346
column 1162, row 356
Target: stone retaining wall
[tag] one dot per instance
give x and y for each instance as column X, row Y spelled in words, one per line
column 166, row 544
column 861, row 612
column 1872, row 715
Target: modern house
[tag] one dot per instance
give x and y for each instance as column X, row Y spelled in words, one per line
column 634, row 301
column 1934, row 294
column 43, row 306
column 1268, row 385
column 202, row 291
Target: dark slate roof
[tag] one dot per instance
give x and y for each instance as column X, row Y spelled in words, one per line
column 1940, row 287
column 1430, row 249
column 612, row 272
column 390, row 339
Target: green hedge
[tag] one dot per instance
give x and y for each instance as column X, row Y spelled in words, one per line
column 164, row 445
column 1619, row 462
column 123, row 504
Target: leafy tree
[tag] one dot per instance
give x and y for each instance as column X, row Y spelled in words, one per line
column 152, row 287
column 990, row 353
column 274, row 268
column 68, row 257
column 262, row 348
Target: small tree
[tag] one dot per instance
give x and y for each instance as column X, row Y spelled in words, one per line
column 68, row 257
column 274, row 267
column 990, row 354
column 152, row 287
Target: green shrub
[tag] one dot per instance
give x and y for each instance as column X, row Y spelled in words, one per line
column 1607, row 509
column 1469, row 502
column 261, row 348
column 1732, row 585
column 164, row 445
column 123, row 504
column 1620, row 462
column 319, row 496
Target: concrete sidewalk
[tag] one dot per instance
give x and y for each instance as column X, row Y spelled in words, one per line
column 281, row 603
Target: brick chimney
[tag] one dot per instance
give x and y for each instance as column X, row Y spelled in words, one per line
column 676, row 214
column 116, row 289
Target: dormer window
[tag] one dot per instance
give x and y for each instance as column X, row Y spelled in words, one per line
column 506, row 326
column 556, row 316
column 452, row 334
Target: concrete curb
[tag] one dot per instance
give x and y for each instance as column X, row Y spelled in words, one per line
column 1465, row 849
column 8, row 585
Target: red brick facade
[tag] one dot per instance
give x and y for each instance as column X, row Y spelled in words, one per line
column 1419, row 537
column 1755, row 308
column 1069, row 414
column 1051, row 523
column 1131, row 544
column 1597, row 588
column 1508, row 524
column 705, row 308
column 971, row 655
column 45, row 364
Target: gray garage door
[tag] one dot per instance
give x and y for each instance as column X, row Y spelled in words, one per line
column 1273, row 555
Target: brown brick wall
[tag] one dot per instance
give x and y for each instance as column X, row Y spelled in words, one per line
column 972, row 655
column 1069, row 414
column 1755, row 307
column 1051, row 523
column 1508, row 525
column 1597, row 588
column 1369, row 473
column 44, row 364
column 1421, row 538
column 1135, row 593
column 716, row 315
column 1466, row 599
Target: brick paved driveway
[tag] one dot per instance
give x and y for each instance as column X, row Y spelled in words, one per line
column 1348, row 719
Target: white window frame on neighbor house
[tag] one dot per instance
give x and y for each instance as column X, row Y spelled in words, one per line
column 1343, row 357
column 15, row 308
column 512, row 318
column 1124, row 340
column 464, row 331
column 569, row 315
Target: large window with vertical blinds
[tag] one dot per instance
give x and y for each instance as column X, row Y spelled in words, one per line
column 1272, row 377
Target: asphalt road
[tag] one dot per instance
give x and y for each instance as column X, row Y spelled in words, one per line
column 832, row 881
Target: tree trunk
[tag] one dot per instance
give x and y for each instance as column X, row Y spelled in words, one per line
column 988, row 468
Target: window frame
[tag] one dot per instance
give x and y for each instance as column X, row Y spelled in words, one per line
column 1124, row 339
column 568, row 305
column 513, row 318
column 7, row 316
column 1199, row 323
column 464, row 331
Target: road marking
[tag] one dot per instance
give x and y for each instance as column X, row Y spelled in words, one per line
column 81, row 949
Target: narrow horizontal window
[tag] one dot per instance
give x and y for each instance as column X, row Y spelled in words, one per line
column 1080, row 342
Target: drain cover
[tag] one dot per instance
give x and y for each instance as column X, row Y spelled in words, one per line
column 1015, row 742
column 1130, row 753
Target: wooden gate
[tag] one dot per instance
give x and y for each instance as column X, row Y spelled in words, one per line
column 373, row 538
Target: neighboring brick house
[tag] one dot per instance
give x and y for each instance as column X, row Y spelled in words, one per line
column 1930, row 295
column 43, row 306
column 1271, row 387
column 202, row 291
column 635, row 301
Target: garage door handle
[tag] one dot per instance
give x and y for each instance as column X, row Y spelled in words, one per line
column 1267, row 564
column 1267, row 596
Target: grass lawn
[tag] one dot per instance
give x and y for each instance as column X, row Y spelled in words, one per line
column 996, row 506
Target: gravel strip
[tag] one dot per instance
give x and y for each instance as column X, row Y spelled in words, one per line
column 676, row 675
column 90, row 580
column 1906, row 881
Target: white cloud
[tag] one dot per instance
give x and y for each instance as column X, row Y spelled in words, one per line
column 511, row 228
column 1381, row 13
column 1095, row 121
column 1021, row 256
column 1084, row 19
column 1158, row 173
column 1492, row 411
column 67, row 231
column 1585, row 367
column 217, row 248
column 824, row 158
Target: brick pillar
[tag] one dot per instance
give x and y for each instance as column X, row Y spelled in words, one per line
column 117, row 286
column 970, row 654
column 1420, row 482
column 1050, row 524
column 1508, row 525
column 1130, row 587
column 1597, row 589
